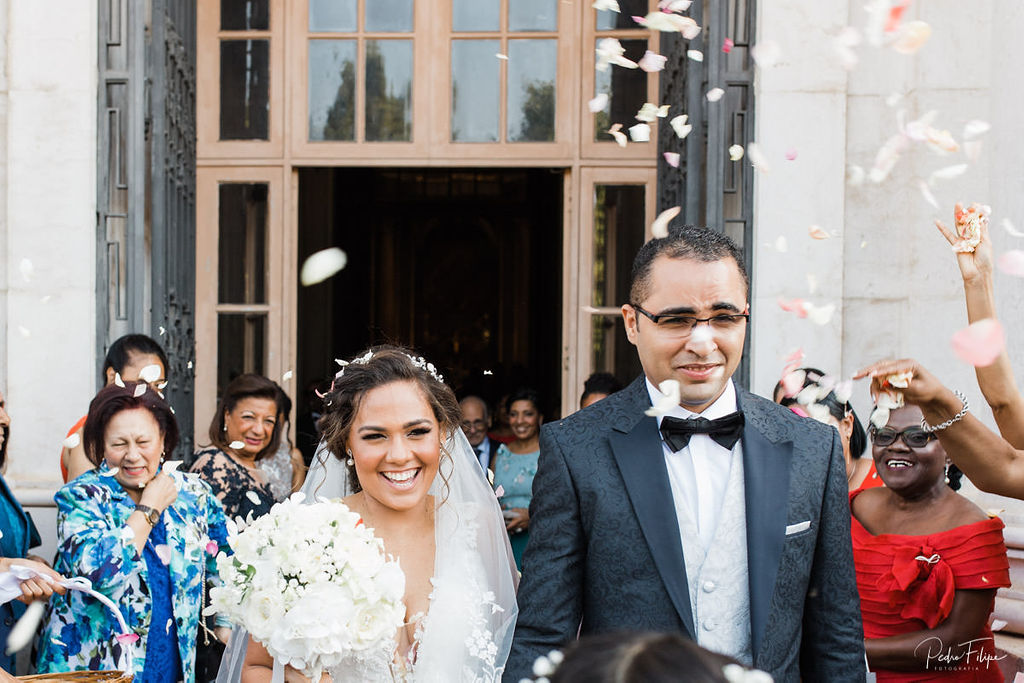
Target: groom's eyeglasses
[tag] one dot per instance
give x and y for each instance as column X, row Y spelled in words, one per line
column 914, row 437
column 683, row 325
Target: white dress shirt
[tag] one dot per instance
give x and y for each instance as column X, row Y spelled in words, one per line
column 699, row 473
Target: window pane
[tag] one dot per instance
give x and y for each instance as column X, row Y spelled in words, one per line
column 532, row 67
column 618, row 235
column 242, row 269
column 332, row 89
column 389, row 15
column 532, row 15
column 476, row 90
column 332, row 15
column 611, row 351
column 476, row 15
column 626, row 90
column 241, row 346
column 244, row 15
column 388, row 89
column 608, row 20
column 244, row 90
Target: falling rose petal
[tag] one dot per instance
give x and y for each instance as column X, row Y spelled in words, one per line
column 790, row 154
column 24, row 630
column 26, row 268
column 648, row 113
column 322, row 265
column 150, row 373
column 972, row 149
column 948, row 172
column 757, row 158
column 695, row 55
column 817, row 411
column 212, row 548
column 606, row 5
column 766, row 54
column 254, row 497
column 140, row 389
column 794, row 359
column 659, row 228
column 812, row 283
column 610, row 51
column 235, row 445
column 968, row 225
column 670, row 23
column 117, row 379
column 598, row 103
column 171, row 466
column 163, row 551
column 855, row 176
column 641, row 132
column 701, row 334
column 1007, row 225
column 941, row 140
column 680, row 126
column 926, row 192
column 669, row 399
column 980, row 343
column 817, row 233
column 793, row 382
column 820, row 315
column 798, row 306
column 286, row 376
column 488, row 372
column 891, row 400
column 844, row 43
column 912, row 37
column 652, row 62
column 501, row 56
column 163, row 330
column 112, row 472
column 736, row 152
column 780, row 244
column 843, row 391
column 72, row 441
column 893, row 98
column 1012, row 263
column 976, row 128
column 672, row 159
column 674, row 5
column 714, row 94
column 616, row 132
column 127, row 637
column 167, row 628
column 727, row 45
column 500, row 491
column 188, row 365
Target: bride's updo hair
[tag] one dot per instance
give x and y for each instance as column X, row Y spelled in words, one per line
column 376, row 367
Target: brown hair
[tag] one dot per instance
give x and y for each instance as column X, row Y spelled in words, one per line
column 248, row 385
column 386, row 364
column 111, row 400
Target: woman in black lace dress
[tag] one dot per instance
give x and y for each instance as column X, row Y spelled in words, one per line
column 244, row 430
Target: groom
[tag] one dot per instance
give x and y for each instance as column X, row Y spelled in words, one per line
column 733, row 528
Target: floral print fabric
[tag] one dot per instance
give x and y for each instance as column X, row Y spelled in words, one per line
column 235, row 487
column 94, row 542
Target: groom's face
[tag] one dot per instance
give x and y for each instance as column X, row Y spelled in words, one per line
column 705, row 358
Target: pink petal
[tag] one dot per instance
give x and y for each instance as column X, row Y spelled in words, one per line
column 792, row 383
column 500, row 491
column 1012, row 263
column 659, row 228
column 793, row 306
column 817, row 233
column 127, row 637
column 163, row 551
column 912, row 37
column 672, row 159
column 727, row 45
column 790, row 154
column 212, row 548
column 652, row 62
column 980, row 343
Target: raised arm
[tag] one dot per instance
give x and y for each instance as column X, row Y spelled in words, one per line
column 989, row 461
column 996, row 380
column 551, row 593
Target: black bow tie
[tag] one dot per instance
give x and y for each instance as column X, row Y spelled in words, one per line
column 726, row 431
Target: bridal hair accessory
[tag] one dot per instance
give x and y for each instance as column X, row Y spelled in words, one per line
column 419, row 361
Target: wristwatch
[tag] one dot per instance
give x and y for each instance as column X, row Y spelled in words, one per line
column 152, row 515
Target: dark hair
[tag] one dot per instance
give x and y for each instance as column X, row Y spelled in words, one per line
column 838, row 410
column 121, row 351
column 383, row 365
column 640, row 658
column 6, row 432
column 248, row 385
column 524, row 394
column 683, row 242
column 600, row 383
column 113, row 399
column 284, row 414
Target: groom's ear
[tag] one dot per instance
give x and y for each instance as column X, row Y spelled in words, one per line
column 629, row 320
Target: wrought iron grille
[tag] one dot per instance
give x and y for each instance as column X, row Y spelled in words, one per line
column 711, row 189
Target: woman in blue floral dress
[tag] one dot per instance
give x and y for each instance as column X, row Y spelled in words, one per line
column 515, row 465
column 143, row 535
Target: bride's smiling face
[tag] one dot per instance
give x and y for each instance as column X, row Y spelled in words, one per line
column 396, row 444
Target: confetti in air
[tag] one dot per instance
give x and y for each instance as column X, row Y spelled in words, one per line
column 680, row 126
column 668, row 401
column 641, row 132
column 72, row 441
column 980, row 343
column 235, row 445
column 322, row 265
column 1012, row 263
column 736, row 152
column 659, row 228
column 714, row 94
column 652, row 62
column 598, row 103
column 150, row 373
column 672, row 159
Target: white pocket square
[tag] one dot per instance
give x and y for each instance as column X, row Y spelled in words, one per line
column 798, row 527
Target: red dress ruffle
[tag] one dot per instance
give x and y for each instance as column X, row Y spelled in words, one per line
column 907, row 583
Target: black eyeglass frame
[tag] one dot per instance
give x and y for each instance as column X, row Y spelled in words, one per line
column 656, row 318
column 873, row 432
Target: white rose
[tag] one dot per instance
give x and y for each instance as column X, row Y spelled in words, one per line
column 261, row 612
column 375, row 622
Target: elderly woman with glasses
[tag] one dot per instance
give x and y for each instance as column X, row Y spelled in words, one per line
column 928, row 562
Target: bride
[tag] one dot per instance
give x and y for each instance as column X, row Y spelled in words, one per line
column 393, row 444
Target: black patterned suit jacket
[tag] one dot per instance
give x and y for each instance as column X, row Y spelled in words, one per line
column 605, row 552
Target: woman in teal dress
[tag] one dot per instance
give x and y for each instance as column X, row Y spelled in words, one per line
column 515, row 465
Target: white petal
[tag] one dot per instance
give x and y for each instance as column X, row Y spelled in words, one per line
column 659, row 228
column 616, row 132
column 117, row 379
column 926, row 192
column 163, row 330
column 652, row 62
column 948, row 172
column 879, row 417
column 736, row 152
column 286, row 376
column 171, row 466
column 150, row 373
column 674, row 5
column 766, row 54
column 648, row 113
column 812, row 283
column 780, row 244
column 322, row 265
column 913, row 35
column 254, row 497
column 598, row 103
column 820, row 315
column 72, row 441
column 1008, row 227
column 21, row 633
column 816, row 232
column 680, row 126
column 641, row 132
column 976, row 128
column 695, row 55
column 235, row 445
column 855, row 175
column 26, row 268
column 669, row 399
column 501, row 56
column 112, row 472
column 140, row 389
column 843, row 391
column 163, row 551
column 609, row 5
column 714, row 94
column 672, row 159
column 757, row 158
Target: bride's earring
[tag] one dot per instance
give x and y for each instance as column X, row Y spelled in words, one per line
column 947, row 472
column 350, row 461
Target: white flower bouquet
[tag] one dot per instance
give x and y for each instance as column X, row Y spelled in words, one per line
column 311, row 583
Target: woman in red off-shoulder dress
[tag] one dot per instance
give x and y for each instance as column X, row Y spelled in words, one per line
column 928, row 563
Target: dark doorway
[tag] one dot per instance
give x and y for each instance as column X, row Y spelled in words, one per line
column 463, row 265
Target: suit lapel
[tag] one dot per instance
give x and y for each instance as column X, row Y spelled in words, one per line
column 766, row 470
column 636, row 447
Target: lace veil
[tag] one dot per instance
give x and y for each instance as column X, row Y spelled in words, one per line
column 467, row 634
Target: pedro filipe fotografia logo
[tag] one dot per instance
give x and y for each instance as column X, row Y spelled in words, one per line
column 969, row 655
